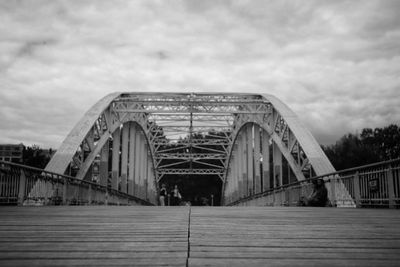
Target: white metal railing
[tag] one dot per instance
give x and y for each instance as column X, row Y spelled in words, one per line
column 375, row 185
column 23, row 185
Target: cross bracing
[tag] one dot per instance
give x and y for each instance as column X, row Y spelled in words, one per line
column 157, row 134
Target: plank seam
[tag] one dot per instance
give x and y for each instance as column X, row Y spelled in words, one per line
column 188, row 238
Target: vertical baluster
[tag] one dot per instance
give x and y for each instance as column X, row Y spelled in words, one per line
column 90, row 194
column 65, row 188
column 392, row 202
column 21, row 190
column 356, row 185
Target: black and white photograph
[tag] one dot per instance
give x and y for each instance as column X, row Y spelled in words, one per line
column 200, row 133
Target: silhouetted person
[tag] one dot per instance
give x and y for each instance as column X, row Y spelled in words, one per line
column 176, row 196
column 318, row 197
column 163, row 194
column 204, row 201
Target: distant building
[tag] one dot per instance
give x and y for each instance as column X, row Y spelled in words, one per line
column 12, row 152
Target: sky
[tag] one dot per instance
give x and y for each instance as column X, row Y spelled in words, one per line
column 335, row 63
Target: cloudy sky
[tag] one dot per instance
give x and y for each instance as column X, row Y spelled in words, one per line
column 335, row 63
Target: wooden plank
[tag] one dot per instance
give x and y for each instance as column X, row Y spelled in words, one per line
column 152, row 262
column 93, row 236
column 234, row 236
column 193, row 262
column 294, row 236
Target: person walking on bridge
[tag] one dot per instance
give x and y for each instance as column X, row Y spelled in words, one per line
column 163, row 194
column 176, row 196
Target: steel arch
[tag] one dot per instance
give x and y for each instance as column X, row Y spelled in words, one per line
column 89, row 135
column 101, row 119
column 312, row 149
column 290, row 134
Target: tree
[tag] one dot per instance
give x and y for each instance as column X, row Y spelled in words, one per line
column 36, row 157
column 372, row 145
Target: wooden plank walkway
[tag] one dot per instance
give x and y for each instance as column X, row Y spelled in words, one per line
column 294, row 236
column 183, row 236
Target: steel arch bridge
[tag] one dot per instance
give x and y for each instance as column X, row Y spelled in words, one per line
column 130, row 141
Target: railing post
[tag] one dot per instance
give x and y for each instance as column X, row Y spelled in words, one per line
column 65, row 188
column 21, row 189
column 392, row 203
column 357, row 197
column 287, row 197
column 90, row 194
column 106, row 197
column 333, row 190
column 273, row 196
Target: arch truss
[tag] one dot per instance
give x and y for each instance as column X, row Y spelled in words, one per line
column 130, row 141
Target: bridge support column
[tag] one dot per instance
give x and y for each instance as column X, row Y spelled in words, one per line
column 277, row 159
column 124, row 158
column 230, row 183
column 142, row 165
column 145, row 168
column 154, row 195
column 228, row 186
column 257, row 174
column 244, row 164
column 240, row 166
column 131, row 172
column 103, row 168
column 236, row 174
column 265, row 163
column 137, row 161
column 250, row 160
column 115, row 159
column 150, row 183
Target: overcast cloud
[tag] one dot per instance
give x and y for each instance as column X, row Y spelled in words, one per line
column 335, row 63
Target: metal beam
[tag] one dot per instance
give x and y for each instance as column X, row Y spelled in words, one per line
column 115, row 159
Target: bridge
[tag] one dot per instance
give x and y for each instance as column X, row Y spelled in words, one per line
column 256, row 147
column 251, row 143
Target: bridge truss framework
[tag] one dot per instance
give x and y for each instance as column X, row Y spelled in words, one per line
column 132, row 140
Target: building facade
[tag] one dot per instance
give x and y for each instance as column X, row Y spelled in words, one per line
column 12, row 152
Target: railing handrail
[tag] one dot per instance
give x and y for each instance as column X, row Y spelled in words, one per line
column 36, row 169
column 385, row 162
column 281, row 187
column 63, row 176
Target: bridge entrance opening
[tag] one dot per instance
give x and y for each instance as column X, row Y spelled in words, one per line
column 196, row 190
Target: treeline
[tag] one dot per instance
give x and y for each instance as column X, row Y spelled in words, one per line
column 370, row 146
column 35, row 156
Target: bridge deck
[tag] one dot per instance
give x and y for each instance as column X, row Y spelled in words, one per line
column 180, row 236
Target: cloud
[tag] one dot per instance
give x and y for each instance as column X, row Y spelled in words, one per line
column 335, row 63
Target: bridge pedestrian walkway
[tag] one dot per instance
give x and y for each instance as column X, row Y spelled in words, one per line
column 197, row 236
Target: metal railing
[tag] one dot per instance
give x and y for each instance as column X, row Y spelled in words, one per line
column 375, row 185
column 23, row 185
